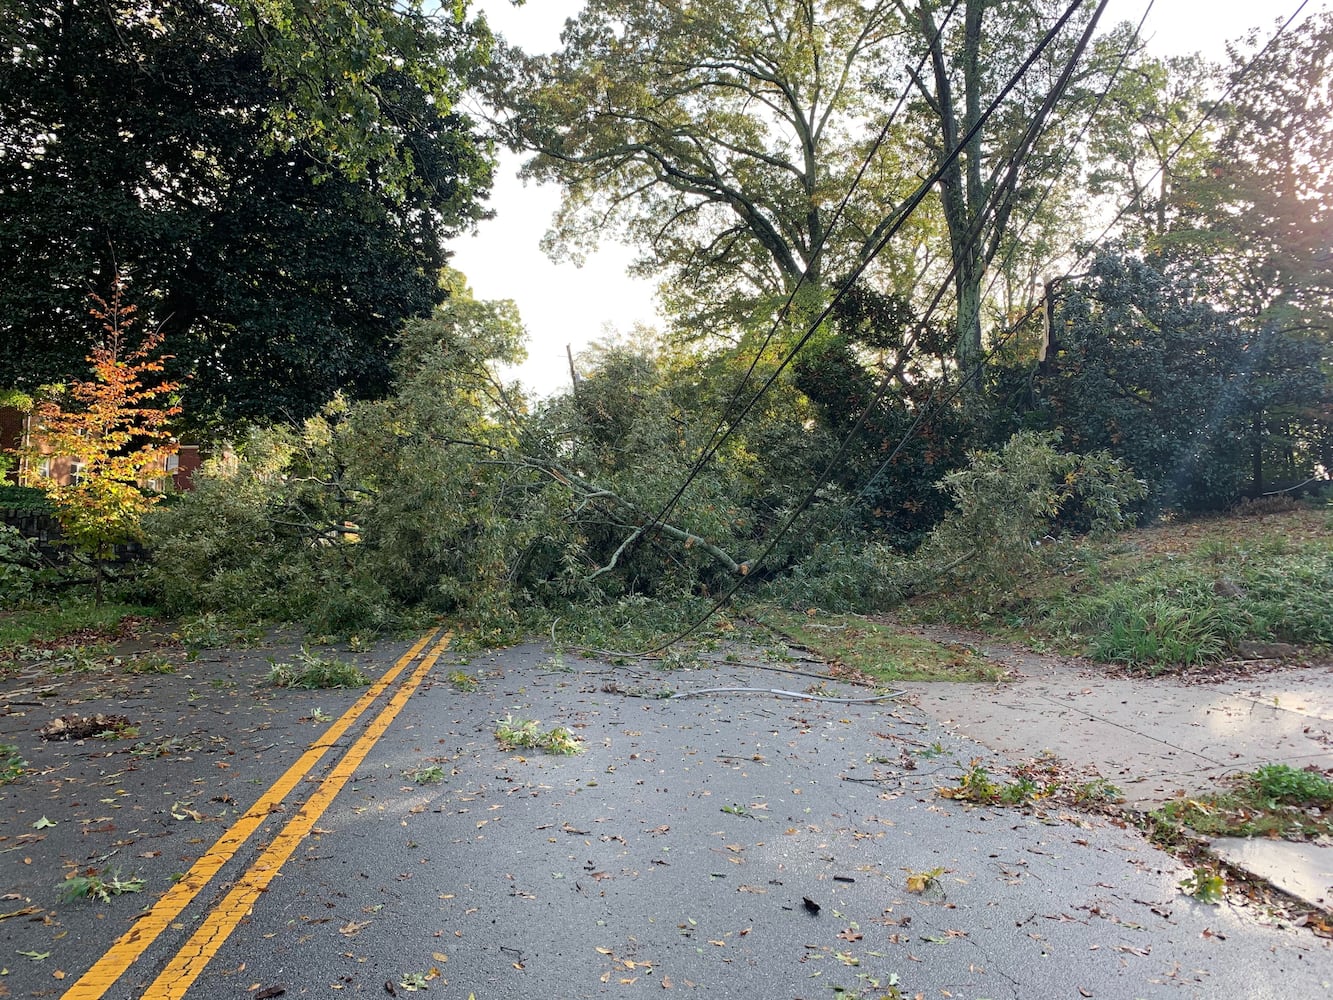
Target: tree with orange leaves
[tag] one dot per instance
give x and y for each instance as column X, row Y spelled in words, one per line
column 115, row 425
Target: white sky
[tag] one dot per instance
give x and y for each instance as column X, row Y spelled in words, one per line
column 566, row 305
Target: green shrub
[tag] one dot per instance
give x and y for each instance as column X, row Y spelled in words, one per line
column 837, row 576
column 222, row 547
column 1005, row 501
column 20, row 565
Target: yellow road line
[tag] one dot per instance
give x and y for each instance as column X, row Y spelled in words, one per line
column 190, row 961
column 129, row 946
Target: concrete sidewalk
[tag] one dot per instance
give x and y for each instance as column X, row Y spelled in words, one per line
column 1155, row 737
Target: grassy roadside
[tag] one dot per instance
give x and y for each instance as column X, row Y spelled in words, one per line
column 1157, row 599
column 1273, row 801
column 873, row 649
column 1276, row 800
column 1169, row 596
column 41, row 623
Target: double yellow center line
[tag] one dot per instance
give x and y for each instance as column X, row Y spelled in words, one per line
column 190, row 961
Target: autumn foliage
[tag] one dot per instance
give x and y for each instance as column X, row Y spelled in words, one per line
column 115, row 426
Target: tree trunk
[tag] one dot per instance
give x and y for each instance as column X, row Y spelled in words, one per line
column 967, row 258
column 967, row 285
column 1257, row 453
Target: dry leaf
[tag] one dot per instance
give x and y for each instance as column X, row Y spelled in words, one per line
column 919, row 882
column 1145, row 952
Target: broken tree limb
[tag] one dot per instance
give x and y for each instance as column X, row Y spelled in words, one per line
column 795, row 695
column 588, row 492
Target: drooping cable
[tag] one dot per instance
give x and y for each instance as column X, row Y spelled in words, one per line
column 910, row 206
column 1017, row 324
column 719, row 436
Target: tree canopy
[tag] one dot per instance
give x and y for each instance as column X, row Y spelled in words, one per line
column 721, row 137
column 193, row 148
column 749, row 147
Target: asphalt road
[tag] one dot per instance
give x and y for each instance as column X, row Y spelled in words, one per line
column 727, row 845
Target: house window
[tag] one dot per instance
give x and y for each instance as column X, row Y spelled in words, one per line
column 75, row 472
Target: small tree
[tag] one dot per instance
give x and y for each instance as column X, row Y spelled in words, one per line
column 115, row 426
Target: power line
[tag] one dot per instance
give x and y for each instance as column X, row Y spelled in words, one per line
column 904, row 213
column 1083, row 257
column 909, row 207
column 925, row 411
column 718, row 437
column 912, row 204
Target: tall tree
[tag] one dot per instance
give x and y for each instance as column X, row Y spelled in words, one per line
column 1271, row 208
column 1148, row 151
column 1001, row 165
column 724, row 137
column 1195, row 399
column 720, row 136
column 1225, row 170
column 186, row 145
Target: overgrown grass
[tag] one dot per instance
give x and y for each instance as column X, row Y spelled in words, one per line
column 875, row 649
column 1170, row 596
column 312, row 671
column 1273, row 801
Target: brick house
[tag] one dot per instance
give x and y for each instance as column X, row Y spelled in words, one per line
column 14, row 431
